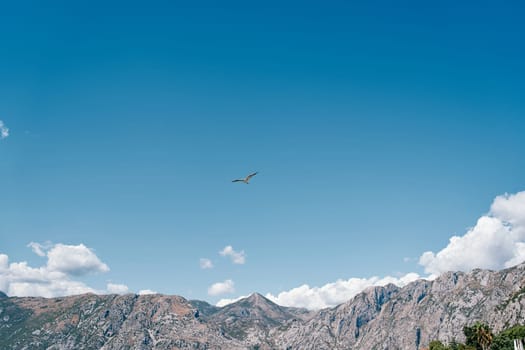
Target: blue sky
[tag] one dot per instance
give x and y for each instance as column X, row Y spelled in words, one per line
column 378, row 130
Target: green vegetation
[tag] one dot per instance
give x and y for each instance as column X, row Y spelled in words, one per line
column 504, row 340
column 480, row 337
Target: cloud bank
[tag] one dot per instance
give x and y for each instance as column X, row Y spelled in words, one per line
column 496, row 241
column 4, row 131
column 55, row 278
column 236, row 257
column 329, row 295
column 335, row 293
column 147, row 292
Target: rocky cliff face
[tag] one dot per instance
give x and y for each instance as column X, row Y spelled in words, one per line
column 379, row 318
column 409, row 318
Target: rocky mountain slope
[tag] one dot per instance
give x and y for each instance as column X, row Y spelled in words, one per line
column 385, row 317
column 408, row 318
column 254, row 320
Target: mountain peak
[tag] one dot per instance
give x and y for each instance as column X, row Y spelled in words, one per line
column 256, row 295
column 254, row 301
column 256, row 298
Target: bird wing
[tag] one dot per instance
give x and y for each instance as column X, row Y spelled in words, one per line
column 251, row 175
column 238, row 180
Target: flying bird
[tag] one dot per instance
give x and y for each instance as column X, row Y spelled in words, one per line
column 246, row 180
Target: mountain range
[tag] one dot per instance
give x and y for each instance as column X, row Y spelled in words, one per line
column 383, row 317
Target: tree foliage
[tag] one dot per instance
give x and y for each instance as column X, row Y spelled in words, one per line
column 505, row 339
column 479, row 336
column 436, row 345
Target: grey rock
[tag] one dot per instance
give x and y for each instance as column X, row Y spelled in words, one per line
column 410, row 317
column 385, row 317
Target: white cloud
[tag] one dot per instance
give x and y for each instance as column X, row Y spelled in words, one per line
column 226, row 301
column 38, row 248
column 221, row 288
column 335, row 293
column 50, row 289
column 115, row 288
column 54, row 278
column 236, row 257
column 4, row 131
column 496, row 241
column 206, row 263
column 329, row 295
column 147, row 292
column 19, row 279
column 76, row 260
